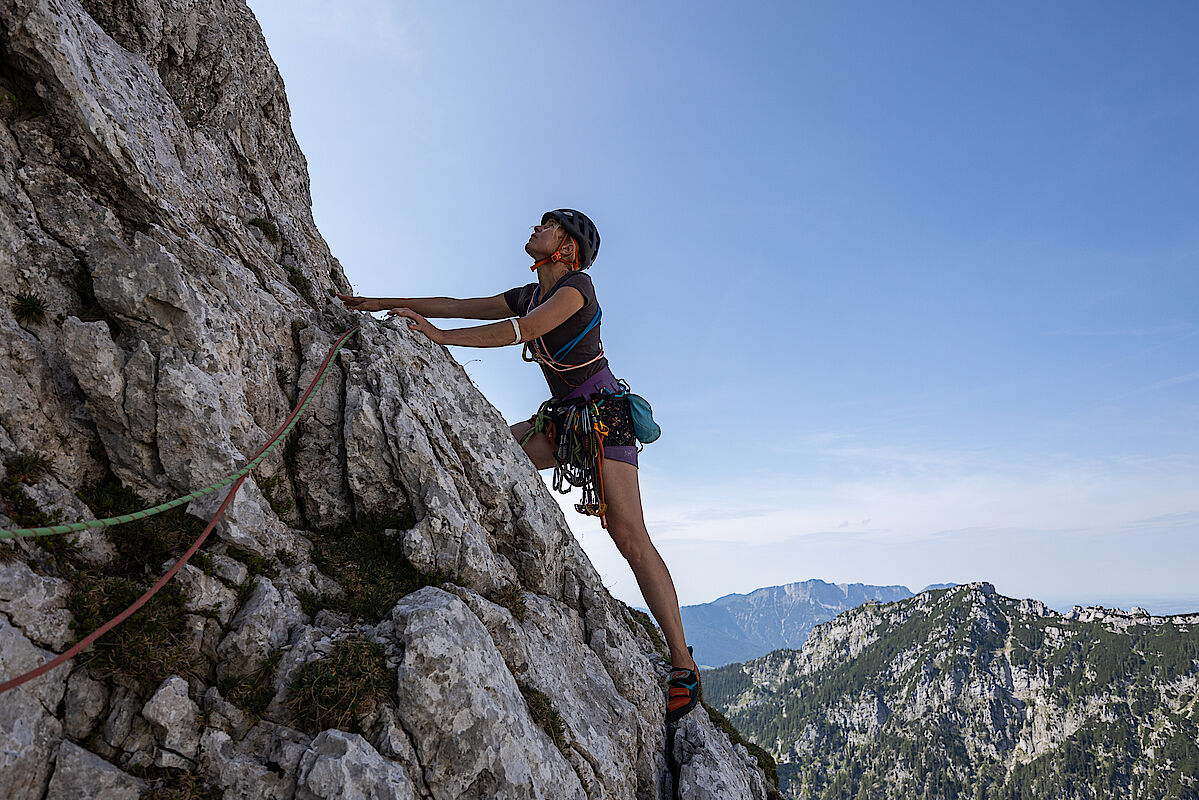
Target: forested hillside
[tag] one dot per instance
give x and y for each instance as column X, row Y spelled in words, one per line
column 966, row 693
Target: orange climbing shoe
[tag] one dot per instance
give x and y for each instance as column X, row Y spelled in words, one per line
column 682, row 693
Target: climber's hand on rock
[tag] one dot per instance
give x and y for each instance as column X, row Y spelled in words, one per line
column 418, row 323
column 358, row 303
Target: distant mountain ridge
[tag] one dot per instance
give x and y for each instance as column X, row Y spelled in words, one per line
column 965, row 693
column 739, row 627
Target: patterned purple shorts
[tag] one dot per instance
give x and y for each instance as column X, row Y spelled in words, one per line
column 621, row 443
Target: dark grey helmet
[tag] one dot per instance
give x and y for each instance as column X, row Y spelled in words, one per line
column 580, row 226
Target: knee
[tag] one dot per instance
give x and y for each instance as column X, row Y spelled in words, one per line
column 630, row 545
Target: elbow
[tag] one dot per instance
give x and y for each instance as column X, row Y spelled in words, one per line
column 529, row 330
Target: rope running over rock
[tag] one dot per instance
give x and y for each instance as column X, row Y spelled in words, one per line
column 236, row 479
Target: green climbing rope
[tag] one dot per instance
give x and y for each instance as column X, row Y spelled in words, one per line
column 108, row 522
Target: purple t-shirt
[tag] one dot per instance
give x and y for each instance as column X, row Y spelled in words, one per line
column 589, row 346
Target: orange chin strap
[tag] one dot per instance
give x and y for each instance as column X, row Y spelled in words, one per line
column 557, row 256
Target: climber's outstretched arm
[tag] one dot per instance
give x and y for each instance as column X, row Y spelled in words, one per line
column 538, row 322
column 435, row 307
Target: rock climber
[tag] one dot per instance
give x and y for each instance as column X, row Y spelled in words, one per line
column 557, row 319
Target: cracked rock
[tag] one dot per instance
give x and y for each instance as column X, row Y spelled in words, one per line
column 342, row 766
column 79, row 773
column 174, row 716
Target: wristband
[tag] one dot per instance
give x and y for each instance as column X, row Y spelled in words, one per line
column 515, row 327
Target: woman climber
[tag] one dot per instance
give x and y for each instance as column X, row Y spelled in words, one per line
column 585, row 430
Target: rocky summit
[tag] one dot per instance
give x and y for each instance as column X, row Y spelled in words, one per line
column 739, row 627
column 964, row 693
column 393, row 605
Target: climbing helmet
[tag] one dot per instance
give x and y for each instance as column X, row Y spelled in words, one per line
column 581, row 228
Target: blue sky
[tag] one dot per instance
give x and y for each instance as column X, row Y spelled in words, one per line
column 911, row 287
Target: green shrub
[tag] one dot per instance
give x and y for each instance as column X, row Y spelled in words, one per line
column 337, row 690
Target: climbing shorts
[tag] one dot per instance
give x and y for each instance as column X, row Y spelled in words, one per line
column 620, row 444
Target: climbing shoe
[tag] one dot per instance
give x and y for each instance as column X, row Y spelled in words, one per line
column 682, row 693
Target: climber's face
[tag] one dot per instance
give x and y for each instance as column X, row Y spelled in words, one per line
column 544, row 240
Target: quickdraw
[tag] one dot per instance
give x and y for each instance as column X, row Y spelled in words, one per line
column 577, row 433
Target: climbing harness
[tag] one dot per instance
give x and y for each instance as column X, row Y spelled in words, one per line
column 577, row 432
column 237, row 479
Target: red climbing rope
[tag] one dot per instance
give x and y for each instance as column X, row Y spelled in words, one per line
column 141, row 601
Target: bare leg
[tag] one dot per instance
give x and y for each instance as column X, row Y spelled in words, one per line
column 538, row 448
column 626, row 526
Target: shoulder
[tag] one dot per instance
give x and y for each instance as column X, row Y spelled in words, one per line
column 581, row 282
column 577, row 279
column 518, row 297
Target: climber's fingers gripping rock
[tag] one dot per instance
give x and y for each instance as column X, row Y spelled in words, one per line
column 358, row 303
column 418, row 323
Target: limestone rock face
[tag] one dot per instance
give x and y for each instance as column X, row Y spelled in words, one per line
column 173, row 716
column 29, row 731
column 164, row 299
column 342, row 766
column 36, row 604
column 81, row 773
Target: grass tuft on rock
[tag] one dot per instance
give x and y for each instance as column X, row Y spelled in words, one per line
column 370, row 567
column 177, row 784
column 336, row 691
column 253, row 691
column 269, row 229
column 300, row 283
column 276, row 493
column 651, row 630
column 512, row 597
column 256, row 564
column 147, row 649
column 20, row 471
column 154, row 643
column 542, row 709
column 146, row 543
column 29, row 308
column 28, row 468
